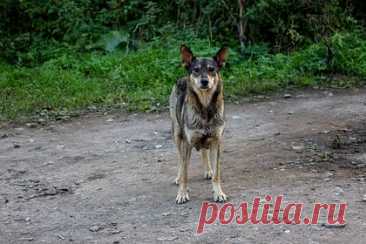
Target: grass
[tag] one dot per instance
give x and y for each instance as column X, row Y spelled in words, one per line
column 142, row 80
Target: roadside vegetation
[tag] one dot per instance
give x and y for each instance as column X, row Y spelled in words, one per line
column 77, row 55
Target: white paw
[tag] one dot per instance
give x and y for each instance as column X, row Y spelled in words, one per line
column 182, row 197
column 208, row 174
column 219, row 196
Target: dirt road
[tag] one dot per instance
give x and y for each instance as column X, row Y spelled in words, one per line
column 109, row 179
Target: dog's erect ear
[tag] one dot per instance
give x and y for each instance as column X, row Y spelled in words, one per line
column 187, row 56
column 221, row 56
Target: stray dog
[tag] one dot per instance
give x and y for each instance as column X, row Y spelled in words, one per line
column 197, row 113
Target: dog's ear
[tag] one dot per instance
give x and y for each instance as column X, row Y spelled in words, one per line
column 187, row 55
column 221, row 56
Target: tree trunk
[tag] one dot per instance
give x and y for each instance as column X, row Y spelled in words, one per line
column 241, row 24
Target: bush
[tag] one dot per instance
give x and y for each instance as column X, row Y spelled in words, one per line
column 29, row 27
column 141, row 80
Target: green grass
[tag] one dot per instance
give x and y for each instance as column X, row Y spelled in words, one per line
column 142, row 80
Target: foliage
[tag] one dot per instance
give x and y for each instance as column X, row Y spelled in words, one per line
column 142, row 79
column 29, row 27
column 57, row 56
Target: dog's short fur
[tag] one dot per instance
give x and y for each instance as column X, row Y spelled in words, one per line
column 197, row 113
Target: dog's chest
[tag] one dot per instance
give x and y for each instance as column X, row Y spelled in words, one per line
column 202, row 127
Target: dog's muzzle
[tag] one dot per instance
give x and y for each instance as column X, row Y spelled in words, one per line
column 204, row 84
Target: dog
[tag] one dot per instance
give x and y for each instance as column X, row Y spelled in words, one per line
column 196, row 107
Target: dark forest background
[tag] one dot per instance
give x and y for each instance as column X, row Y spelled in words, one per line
column 61, row 55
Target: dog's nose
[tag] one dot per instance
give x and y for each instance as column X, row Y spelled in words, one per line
column 204, row 83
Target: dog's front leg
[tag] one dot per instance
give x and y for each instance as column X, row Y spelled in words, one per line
column 218, row 194
column 182, row 195
column 178, row 142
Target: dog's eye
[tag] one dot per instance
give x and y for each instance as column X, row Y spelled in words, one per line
column 196, row 70
column 211, row 69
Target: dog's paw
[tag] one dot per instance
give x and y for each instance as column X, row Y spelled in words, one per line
column 182, row 197
column 208, row 174
column 219, row 196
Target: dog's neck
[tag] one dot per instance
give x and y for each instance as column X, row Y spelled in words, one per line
column 204, row 97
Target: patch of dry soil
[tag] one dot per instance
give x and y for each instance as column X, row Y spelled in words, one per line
column 108, row 179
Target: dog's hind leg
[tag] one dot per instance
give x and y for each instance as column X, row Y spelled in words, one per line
column 182, row 195
column 206, row 164
column 218, row 194
column 176, row 181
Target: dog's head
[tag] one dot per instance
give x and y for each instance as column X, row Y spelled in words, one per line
column 203, row 72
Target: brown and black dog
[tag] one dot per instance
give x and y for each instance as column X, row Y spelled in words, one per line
column 197, row 113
